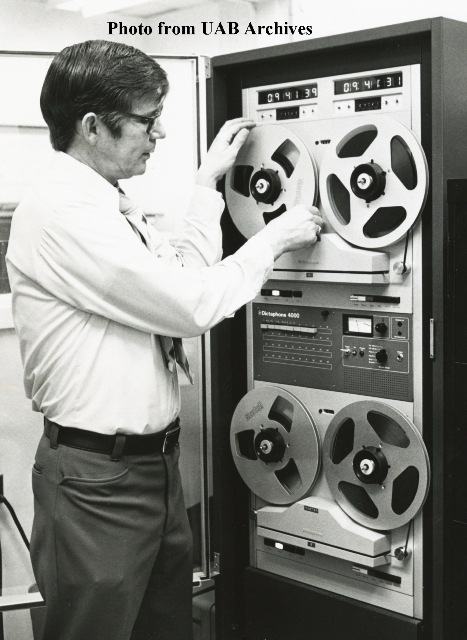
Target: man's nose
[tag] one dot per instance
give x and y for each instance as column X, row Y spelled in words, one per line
column 158, row 131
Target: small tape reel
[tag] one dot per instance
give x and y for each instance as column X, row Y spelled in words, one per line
column 275, row 445
column 273, row 172
column 376, row 465
column 374, row 182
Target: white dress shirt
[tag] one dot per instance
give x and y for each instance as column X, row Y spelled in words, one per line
column 88, row 298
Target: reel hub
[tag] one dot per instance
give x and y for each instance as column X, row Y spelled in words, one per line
column 270, row 445
column 370, row 465
column 265, row 186
column 368, row 181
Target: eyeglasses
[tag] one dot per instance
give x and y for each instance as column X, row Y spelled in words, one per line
column 149, row 121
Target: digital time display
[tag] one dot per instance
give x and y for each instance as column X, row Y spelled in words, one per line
column 368, row 83
column 286, row 94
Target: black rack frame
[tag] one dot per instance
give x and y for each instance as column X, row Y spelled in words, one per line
column 253, row 604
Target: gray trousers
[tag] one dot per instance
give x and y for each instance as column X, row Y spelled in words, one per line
column 111, row 545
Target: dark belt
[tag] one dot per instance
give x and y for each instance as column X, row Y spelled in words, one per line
column 115, row 446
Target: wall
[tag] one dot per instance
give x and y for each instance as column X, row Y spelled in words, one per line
column 216, row 43
column 29, row 27
column 20, row 432
column 26, row 26
column 341, row 16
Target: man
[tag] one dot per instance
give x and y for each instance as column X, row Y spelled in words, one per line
column 98, row 296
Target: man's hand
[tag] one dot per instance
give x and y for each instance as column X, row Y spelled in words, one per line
column 223, row 151
column 297, row 228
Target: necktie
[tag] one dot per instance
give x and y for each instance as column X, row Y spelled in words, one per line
column 172, row 348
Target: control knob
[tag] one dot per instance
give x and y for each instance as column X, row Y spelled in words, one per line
column 381, row 356
column 381, row 327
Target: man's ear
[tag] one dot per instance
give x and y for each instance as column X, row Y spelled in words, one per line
column 90, row 126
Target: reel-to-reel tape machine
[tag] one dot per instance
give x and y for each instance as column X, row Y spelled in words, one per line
column 371, row 170
column 329, row 437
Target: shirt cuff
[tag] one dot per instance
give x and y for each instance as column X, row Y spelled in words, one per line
column 263, row 258
column 256, row 259
column 205, row 204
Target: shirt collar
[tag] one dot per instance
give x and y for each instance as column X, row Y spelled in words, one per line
column 84, row 177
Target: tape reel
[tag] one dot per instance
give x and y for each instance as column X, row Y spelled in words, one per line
column 374, row 182
column 376, row 465
column 275, row 445
column 273, row 172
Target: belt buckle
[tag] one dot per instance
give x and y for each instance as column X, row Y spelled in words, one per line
column 171, row 439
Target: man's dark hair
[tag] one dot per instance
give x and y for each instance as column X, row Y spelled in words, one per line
column 99, row 76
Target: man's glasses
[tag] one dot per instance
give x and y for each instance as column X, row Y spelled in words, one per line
column 149, row 121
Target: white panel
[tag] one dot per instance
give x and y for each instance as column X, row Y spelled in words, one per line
column 165, row 189
column 25, row 152
column 24, row 138
column 21, row 82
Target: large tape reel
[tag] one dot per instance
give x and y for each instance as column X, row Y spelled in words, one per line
column 275, row 445
column 273, row 172
column 374, row 182
column 376, row 465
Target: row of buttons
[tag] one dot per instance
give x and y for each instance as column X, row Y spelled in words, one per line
column 281, row 293
column 368, row 104
column 289, row 328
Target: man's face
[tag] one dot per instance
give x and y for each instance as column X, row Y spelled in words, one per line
column 127, row 156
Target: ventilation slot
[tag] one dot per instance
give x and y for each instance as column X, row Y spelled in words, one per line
column 383, row 384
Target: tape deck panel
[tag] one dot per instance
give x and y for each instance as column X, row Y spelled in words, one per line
column 321, row 348
column 362, row 166
column 328, row 438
